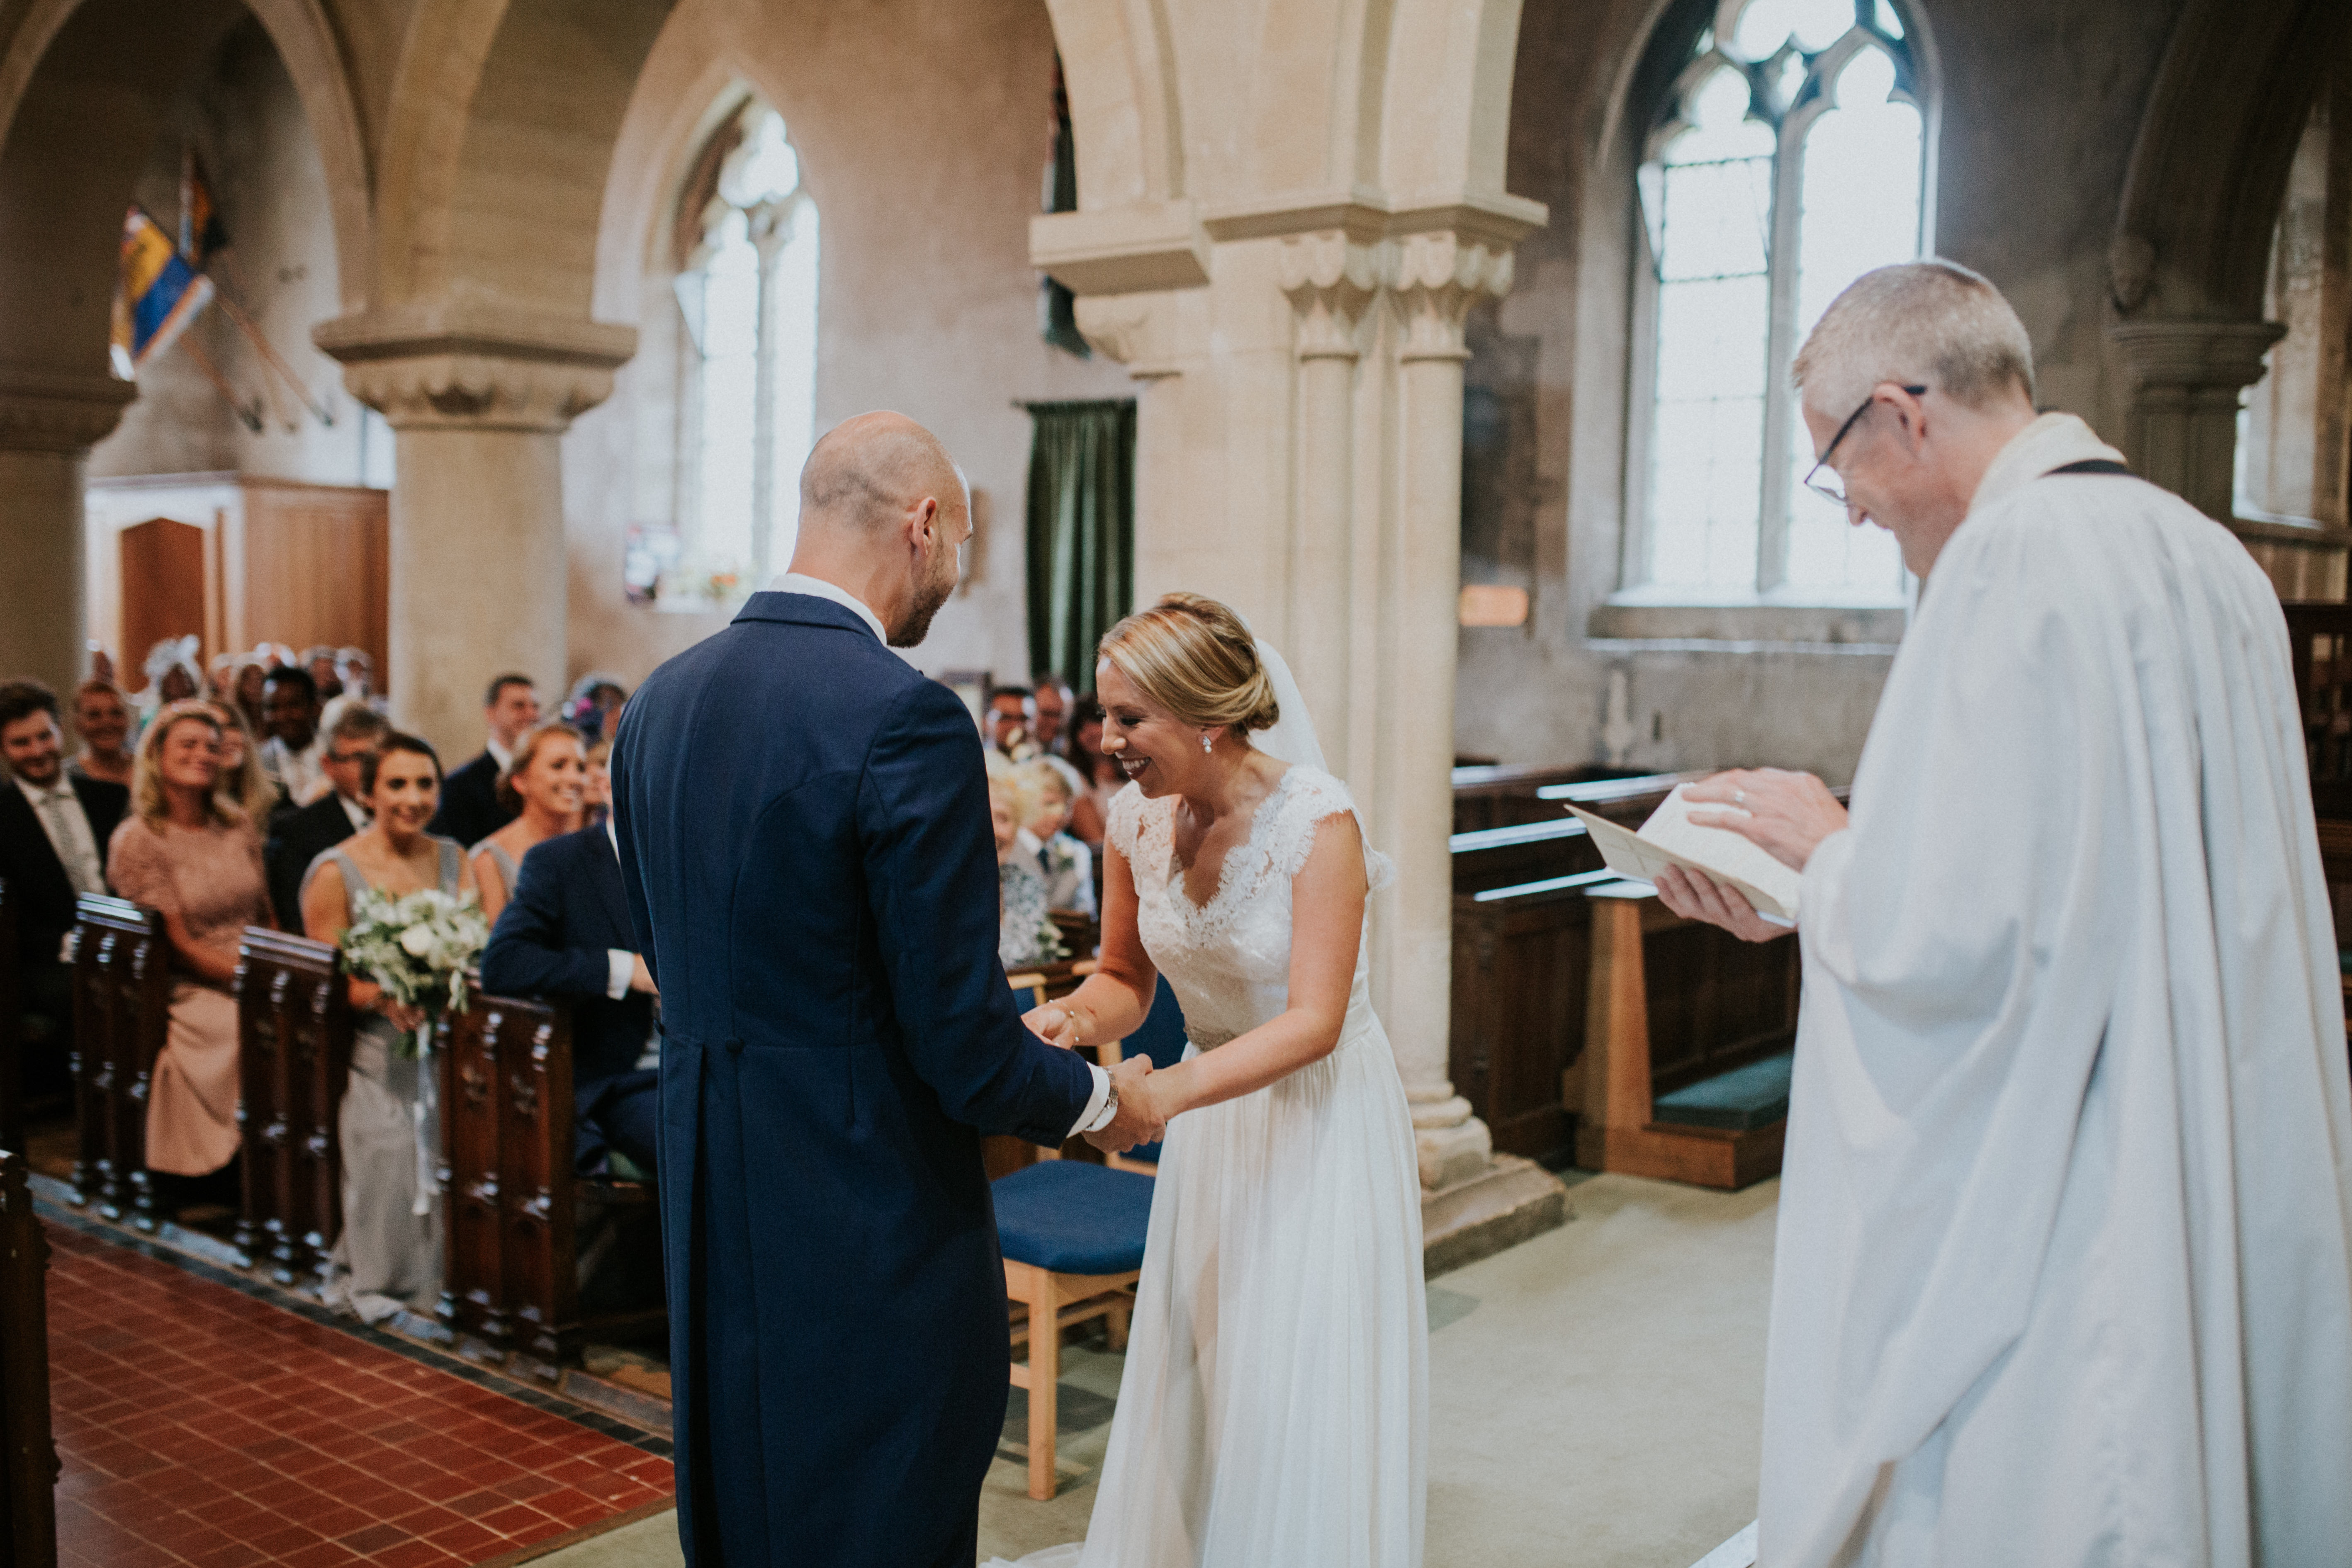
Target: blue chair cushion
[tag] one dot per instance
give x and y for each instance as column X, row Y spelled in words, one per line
column 1071, row 1217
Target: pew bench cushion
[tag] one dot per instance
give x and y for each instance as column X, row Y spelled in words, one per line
column 1740, row 1100
column 1068, row 1216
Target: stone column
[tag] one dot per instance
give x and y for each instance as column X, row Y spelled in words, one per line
column 47, row 424
column 477, row 400
column 1439, row 276
column 2181, row 429
column 1330, row 281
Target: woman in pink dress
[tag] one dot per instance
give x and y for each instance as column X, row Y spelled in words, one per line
column 198, row 859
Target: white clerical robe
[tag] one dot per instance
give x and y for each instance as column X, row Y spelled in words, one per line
column 2065, row 1268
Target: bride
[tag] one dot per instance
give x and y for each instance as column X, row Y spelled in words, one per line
column 1274, row 1402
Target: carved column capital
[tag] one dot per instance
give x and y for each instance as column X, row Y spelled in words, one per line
column 1439, row 276
column 1138, row 331
column 42, row 411
column 1331, row 280
column 467, row 365
column 2195, row 353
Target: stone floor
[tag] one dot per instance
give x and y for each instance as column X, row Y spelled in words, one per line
column 1595, row 1397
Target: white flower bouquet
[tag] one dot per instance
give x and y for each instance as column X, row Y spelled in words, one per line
column 419, row 947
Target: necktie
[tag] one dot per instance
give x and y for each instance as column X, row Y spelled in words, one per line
column 72, row 851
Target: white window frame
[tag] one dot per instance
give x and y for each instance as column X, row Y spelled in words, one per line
column 769, row 226
column 1637, row 589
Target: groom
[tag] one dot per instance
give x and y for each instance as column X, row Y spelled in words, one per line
column 804, row 832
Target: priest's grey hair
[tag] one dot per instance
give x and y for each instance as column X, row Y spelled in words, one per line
column 1932, row 323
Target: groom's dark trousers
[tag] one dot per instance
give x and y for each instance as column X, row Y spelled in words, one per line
column 804, row 835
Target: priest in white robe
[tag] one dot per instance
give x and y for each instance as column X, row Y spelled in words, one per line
column 2064, row 1267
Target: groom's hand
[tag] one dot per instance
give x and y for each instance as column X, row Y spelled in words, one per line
column 1140, row 1119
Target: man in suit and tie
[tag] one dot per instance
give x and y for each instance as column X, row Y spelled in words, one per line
column 299, row 837
column 805, row 834
column 470, row 810
column 54, row 830
column 565, row 934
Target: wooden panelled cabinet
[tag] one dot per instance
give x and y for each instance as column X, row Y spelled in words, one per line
column 236, row 558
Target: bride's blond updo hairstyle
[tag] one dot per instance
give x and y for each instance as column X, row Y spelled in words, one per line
column 1193, row 655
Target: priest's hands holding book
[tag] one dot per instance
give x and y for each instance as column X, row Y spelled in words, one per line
column 1786, row 815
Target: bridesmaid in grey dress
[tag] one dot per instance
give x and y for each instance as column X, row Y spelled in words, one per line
column 546, row 787
column 390, row 1253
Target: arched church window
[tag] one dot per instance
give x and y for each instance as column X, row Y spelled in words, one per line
column 747, row 290
column 1789, row 156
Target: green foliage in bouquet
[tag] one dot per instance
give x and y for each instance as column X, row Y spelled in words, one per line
column 417, row 946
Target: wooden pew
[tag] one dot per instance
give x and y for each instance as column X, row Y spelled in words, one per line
column 294, row 1030
column 28, row 1454
column 1670, row 1001
column 12, row 1031
column 510, row 1199
column 2319, row 648
column 122, row 1006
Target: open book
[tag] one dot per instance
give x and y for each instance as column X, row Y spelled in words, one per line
column 1671, row 839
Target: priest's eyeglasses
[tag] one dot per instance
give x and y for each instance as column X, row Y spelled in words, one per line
column 1823, row 479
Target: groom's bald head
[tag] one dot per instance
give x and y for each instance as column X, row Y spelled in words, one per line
column 885, row 514
column 865, row 473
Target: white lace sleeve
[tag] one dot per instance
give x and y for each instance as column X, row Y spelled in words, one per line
column 1314, row 796
column 1125, row 816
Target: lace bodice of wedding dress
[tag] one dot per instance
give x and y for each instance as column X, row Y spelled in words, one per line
column 1229, row 960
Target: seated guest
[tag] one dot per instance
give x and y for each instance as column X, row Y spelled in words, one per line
column 470, row 808
column 245, row 787
column 1098, row 774
column 388, row 1255
column 291, row 754
column 186, row 852
column 1065, row 864
column 594, row 707
column 101, row 721
column 321, row 662
column 54, row 826
column 171, row 677
column 1010, row 711
column 1025, row 933
column 543, row 786
column 299, row 837
column 565, row 933
column 597, row 799
column 249, row 695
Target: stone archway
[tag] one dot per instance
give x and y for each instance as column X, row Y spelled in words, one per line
column 477, row 342
column 83, row 85
column 2194, row 229
column 1284, row 213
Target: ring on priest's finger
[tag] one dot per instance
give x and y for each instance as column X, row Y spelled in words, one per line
column 1740, row 797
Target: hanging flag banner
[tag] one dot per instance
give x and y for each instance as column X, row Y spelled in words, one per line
column 201, row 231
column 160, row 293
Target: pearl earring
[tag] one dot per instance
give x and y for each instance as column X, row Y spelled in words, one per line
column 1206, row 745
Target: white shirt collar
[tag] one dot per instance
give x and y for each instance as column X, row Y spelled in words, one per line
column 61, row 790
column 360, row 815
column 818, row 588
column 2051, row 441
column 498, row 754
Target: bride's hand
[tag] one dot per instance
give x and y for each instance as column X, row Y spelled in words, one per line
column 1053, row 1024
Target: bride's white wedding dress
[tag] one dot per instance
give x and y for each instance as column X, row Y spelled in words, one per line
column 1273, row 1410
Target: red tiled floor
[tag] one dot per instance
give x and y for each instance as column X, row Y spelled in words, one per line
column 201, row 1428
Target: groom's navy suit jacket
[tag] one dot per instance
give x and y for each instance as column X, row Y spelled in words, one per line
column 804, row 835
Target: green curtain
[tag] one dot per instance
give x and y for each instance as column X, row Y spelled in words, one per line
column 1081, row 533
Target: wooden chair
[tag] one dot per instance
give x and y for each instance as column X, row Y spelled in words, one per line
column 2319, row 650
column 1734, row 1004
column 294, row 1029
column 1072, row 1234
column 28, row 1454
column 121, row 1007
column 510, row 1199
